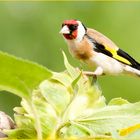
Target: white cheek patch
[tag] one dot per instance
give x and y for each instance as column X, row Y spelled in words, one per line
column 81, row 32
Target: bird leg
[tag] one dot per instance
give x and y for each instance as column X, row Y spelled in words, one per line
column 97, row 72
column 91, row 74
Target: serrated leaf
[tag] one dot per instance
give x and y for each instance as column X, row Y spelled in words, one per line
column 20, row 76
column 67, row 106
column 110, row 119
column 56, row 95
column 84, row 101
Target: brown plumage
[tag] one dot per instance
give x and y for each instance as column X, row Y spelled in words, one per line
column 101, row 39
column 96, row 49
column 83, row 51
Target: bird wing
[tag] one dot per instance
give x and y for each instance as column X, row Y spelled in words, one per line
column 104, row 45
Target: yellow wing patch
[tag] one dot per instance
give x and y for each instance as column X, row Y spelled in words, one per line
column 121, row 59
column 116, row 56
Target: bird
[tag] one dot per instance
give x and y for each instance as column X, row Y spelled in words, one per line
column 95, row 49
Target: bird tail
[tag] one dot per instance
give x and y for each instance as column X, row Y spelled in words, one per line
column 132, row 71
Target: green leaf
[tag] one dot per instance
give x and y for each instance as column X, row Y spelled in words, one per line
column 74, row 82
column 66, row 105
column 25, row 118
column 55, row 94
column 21, row 133
column 118, row 101
column 45, row 112
column 71, row 70
column 20, row 76
column 110, row 119
column 63, row 78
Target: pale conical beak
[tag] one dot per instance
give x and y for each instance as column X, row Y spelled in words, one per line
column 64, row 30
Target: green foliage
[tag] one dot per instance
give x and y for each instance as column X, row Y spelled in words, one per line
column 64, row 105
column 30, row 30
column 20, row 76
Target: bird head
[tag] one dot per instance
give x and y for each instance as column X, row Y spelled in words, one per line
column 73, row 29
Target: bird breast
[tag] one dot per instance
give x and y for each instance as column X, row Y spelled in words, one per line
column 82, row 50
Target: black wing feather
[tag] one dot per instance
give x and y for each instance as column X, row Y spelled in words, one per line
column 101, row 48
column 133, row 62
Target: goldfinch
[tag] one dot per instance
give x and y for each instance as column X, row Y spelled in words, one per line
column 97, row 50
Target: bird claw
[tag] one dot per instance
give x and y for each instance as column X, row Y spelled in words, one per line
column 91, row 74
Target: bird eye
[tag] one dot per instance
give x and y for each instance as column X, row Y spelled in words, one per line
column 73, row 27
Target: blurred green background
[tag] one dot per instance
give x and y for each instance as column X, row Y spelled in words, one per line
column 31, row 30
